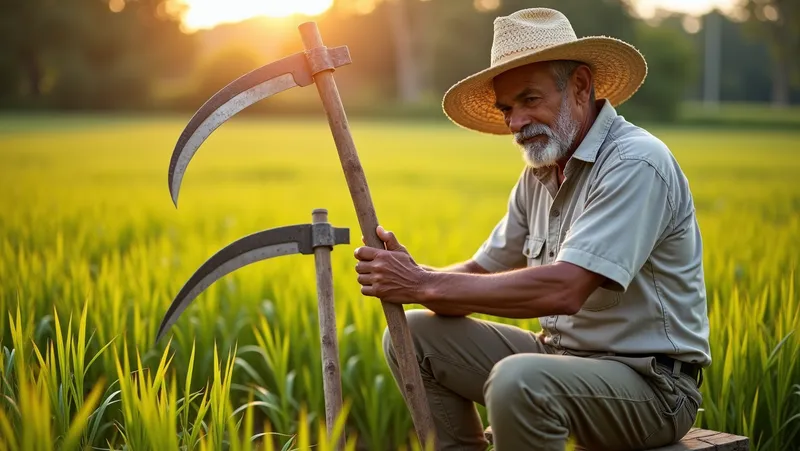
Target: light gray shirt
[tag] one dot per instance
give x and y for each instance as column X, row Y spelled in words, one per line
column 625, row 211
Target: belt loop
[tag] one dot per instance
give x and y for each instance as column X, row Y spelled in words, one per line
column 676, row 369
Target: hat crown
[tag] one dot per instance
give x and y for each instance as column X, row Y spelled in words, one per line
column 529, row 30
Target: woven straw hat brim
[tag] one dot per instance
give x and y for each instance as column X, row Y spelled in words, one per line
column 617, row 67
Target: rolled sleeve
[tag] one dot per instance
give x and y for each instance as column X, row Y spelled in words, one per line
column 502, row 250
column 628, row 210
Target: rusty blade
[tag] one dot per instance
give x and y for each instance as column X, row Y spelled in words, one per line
column 287, row 240
column 239, row 94
column 266, row 81
column 295, row 239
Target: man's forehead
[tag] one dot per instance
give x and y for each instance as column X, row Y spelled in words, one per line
column 536, row 75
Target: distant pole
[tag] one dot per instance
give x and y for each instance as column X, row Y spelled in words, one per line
column 713, row 59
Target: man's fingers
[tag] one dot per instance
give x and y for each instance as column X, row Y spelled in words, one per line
column 364, row 267
column 366, row 253
column 391, row 241
column 368, row 290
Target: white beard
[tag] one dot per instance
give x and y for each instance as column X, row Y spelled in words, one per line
column 559, row 139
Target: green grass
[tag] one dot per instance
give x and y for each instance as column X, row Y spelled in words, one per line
column 747, row 115
column 92, row 252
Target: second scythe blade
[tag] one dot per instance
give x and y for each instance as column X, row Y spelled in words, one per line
column 295, row 239
column 266, row 81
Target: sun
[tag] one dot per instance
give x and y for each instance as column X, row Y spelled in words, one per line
column 208, row 13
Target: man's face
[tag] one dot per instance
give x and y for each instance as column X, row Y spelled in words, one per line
column 537, row 113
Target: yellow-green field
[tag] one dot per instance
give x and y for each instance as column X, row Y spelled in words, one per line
column 87, row 227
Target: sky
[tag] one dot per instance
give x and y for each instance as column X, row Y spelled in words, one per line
column 207, row 13
column 694, row 7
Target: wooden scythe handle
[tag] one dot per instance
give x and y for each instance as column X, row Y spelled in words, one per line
column 413, row 390
column 331, row 376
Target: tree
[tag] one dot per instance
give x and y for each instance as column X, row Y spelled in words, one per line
column 407, row 66
column 410, row 23
column 671, row 61
column 777, row 22
column 31, row 32
column 89, row 53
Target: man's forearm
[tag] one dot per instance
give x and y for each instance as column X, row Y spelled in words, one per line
column 525, row 293
column 466, row 267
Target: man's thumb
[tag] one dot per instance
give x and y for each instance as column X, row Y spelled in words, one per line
column 391, row 241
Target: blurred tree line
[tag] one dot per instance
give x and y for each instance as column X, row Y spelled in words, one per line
column 133, row 54
column 89, row 54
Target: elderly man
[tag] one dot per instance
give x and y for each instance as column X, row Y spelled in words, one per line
column 600, row 243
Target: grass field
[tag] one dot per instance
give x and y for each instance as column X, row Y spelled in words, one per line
column 92, row 252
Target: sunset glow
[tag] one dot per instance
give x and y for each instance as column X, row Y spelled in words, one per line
column 208, row 13
column 647, row 8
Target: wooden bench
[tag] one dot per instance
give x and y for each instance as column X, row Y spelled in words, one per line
column 701, row 439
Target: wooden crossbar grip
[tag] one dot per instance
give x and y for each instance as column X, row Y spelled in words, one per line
column 413, row 390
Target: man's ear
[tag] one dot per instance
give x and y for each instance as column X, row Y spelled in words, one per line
column 582, row 81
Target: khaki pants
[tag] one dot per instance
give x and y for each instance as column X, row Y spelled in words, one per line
column 537, row 396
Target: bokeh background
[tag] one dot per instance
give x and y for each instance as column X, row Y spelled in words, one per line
column 170, row 55
column 94, row 94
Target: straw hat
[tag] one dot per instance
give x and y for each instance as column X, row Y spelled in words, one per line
column 542, row 34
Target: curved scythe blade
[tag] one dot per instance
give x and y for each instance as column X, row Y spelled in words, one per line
column 266, row 81
column 250, row 249
column 239, row 94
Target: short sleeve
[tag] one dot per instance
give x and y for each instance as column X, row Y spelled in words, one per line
column 627, row 211
column 502, row 250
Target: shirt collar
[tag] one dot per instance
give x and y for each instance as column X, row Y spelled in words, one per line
column 588, row 148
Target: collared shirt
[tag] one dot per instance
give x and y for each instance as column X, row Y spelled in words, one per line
column 625, row 211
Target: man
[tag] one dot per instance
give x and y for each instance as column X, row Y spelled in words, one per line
column 600, row 242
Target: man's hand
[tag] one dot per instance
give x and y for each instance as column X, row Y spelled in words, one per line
column 390, row 274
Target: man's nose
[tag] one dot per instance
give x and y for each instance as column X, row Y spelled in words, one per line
column 517, row 122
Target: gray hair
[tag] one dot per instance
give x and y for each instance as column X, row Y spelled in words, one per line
column 562, row 70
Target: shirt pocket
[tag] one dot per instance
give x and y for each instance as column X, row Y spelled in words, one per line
column 532, row 250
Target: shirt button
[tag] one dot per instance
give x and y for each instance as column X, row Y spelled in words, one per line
column 552, row 253
column 556, row 213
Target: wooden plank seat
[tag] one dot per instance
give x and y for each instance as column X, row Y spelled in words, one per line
column 696, row 439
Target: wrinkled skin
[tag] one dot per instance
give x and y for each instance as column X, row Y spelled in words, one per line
column 544, row 120
column 548, row 124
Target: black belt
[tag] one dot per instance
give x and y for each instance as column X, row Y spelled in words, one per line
column 690, row 369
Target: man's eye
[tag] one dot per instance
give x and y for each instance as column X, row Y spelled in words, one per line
column 532, row 99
